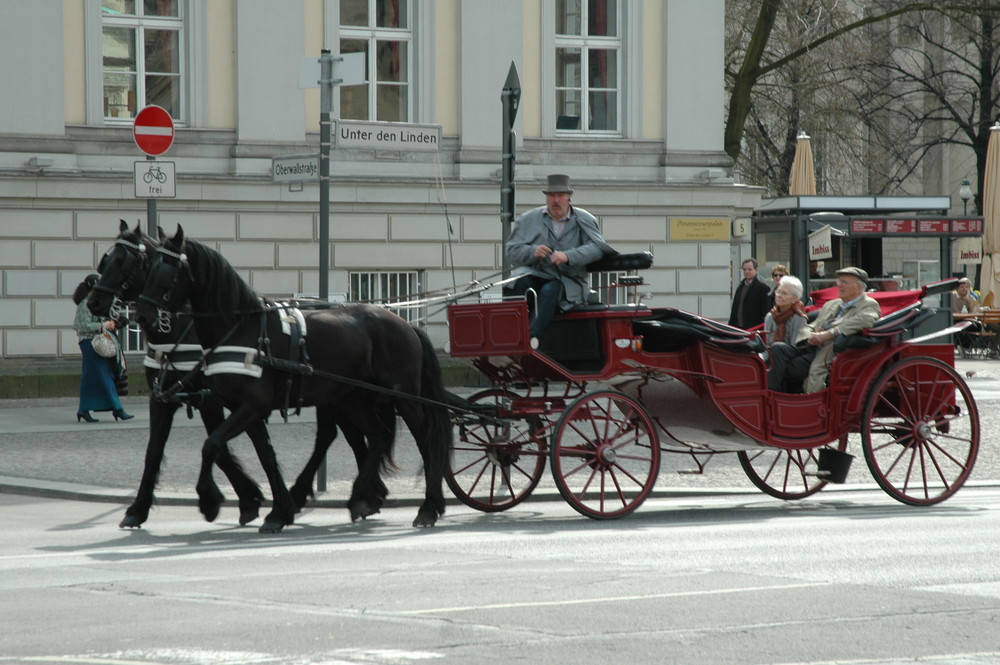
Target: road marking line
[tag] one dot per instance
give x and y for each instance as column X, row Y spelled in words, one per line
column 614, row 599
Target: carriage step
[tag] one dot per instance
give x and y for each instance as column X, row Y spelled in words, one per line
column 833, row 465
column 690, row 472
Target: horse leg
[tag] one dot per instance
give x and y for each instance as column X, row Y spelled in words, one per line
column 430, row 425
column 250, row 496
column 209, row 496
column 433, row 504
column 375, row 421
column 161, row 417
column 326, row 432
column 283, row 508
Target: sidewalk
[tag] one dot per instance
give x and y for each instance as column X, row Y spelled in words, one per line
column 44, row 451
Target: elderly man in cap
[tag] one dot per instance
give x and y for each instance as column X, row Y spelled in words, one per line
column 550, row 248
column 810, row 358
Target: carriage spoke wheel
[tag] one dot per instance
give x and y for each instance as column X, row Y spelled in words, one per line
column 920, row 431
column 605, row 455
column 786, row 474
column 496, row 465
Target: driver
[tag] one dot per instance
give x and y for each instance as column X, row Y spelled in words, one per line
column 551, row 247
column 810, row 358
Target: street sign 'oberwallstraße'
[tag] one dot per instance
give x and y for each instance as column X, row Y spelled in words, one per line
column 387, row 136
column 295, row 168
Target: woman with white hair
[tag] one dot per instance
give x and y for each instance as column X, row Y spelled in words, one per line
column 786, row 318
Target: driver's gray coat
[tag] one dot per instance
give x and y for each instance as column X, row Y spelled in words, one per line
column 581, row 241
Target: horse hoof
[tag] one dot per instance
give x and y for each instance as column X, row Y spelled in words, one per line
column 249, row 513
column 130, row 522
column 271, row 526
column 424, row 521
column 362, row 509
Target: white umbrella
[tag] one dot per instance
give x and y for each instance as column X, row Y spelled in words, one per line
column 990, row 275
column 803, row 180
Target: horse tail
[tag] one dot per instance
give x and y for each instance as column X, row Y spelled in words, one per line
column 436, row 416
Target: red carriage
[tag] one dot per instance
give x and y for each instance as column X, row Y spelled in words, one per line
column 613, row 387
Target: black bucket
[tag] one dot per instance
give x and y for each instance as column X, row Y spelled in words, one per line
column 834, row 464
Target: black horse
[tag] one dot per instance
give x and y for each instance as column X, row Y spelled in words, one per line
column 173, row 357
column 173, row 352
column 343, row 355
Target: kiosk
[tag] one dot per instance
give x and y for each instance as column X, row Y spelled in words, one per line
column 859, row 226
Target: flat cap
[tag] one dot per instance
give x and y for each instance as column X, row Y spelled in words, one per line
column 856, row 272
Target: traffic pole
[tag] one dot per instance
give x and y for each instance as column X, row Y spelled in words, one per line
column 151, row 210
column 326, row 103
column 510, row 96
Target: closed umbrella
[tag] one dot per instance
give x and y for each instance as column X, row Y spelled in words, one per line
column 803, row 181
column 990, row 276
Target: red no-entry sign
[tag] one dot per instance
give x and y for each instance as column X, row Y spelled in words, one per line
column 153, row 130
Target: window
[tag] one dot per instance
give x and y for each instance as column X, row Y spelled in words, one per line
column 587, row 66
column 386, row 288
column 602, row 281
column 133, row 339
column 381, row 30
column 141, row 56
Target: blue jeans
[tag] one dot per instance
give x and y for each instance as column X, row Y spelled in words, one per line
column 549, row 294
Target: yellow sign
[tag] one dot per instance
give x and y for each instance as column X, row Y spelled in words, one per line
column 699, row 228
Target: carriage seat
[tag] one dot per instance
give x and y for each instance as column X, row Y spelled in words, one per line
column 620, row 262
column 673, row 329
column 890, row 325
column 613, row 263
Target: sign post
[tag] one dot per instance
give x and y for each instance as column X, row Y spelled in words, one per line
column 351, row 71
column 510, row 97
column 153, row 131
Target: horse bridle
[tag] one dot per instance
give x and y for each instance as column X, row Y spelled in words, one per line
column 134, row 263
column 175, row 272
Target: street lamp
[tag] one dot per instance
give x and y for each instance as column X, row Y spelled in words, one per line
column 965, row 193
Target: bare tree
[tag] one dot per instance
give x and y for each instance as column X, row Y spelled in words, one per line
column 802, row 65
column 937, row 85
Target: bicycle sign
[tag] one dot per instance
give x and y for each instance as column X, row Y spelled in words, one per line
column 155, row 180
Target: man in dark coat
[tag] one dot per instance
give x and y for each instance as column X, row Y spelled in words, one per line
column 750, row 301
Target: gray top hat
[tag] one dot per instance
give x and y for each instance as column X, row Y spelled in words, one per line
column 558, row 184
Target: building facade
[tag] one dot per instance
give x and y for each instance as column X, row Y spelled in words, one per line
column 625, row 97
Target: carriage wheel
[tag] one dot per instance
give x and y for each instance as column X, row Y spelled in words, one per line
column 495, row 466
column 920, row 431
column 785, row 474
column 605, row 455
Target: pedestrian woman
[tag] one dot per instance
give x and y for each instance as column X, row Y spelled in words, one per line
column 777, row 273
column 97, row 375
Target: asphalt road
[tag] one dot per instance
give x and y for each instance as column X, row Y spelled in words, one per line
column 844, row 578
column 707, row 571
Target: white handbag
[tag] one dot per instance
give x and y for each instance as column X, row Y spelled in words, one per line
column 105, row 345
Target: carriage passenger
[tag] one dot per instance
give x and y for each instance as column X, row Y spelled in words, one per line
column 808, row 357
column 784, row 321
column 550, row 248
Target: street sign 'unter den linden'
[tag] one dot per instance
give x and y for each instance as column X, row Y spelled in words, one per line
column 403, row 136
column 387, row 136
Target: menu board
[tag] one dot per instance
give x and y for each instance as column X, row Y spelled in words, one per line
column 893, row 226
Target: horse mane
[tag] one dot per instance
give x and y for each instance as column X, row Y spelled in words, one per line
column 216, row 285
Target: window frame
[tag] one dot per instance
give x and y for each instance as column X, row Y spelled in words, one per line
column 629, row 72
column 193, row 65
column 372, row 35
column 414, row 277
